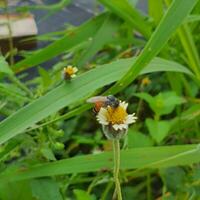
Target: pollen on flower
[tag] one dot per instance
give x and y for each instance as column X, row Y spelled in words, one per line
column 113, row 116
column 116, row 115
column 69, row 70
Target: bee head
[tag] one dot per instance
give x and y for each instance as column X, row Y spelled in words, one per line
column 112, row 101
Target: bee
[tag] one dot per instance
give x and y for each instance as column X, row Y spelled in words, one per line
column 103, row 101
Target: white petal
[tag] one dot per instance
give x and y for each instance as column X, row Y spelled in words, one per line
column 120, row 126
column 124, row 105
column 130, row 119
column 102, row 119
column 101, row 116
column 103, row 112
column 73, row 75
column 75, row 69
column 102, row 122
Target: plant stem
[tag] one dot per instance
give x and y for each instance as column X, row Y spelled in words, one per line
column 149, row 186
column 11, row 48
column 116, row 156
column 10, row 39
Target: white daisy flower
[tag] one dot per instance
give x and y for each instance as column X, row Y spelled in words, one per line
column 115, row 121
column 69, row 72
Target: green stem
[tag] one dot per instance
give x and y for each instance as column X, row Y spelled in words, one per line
column 10, row 39
column 116, row 156
column 149, row 186
column 11, row 48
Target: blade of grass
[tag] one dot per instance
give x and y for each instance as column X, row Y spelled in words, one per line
column 73, row 38
column 53, row 7
column 107, row 30
column 5, row 68
column 123, row 9
column 156, row 10
column 168, row 25
column 74, row 91
column 154, row 157
column 192, row 18
column 190, row 49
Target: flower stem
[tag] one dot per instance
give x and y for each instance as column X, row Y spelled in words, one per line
column 116, row 156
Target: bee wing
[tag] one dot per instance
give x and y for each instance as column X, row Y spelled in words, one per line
column 97, row 99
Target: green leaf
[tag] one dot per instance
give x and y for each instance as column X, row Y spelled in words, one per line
column 74, row 91
column 173, row 178
column 46, row 78
column 5, row 150
column 137, row 139
column 154, row 157
column 108, row 30
column 123, row 9
column 158, row 129
column 47, row 153
column 192, row 18
column 155, row 10
column 4, row 67
column 82, row 195
column 73, row 38
column 15, row 191
column 190, row 48
column 45, row 189
column 188, row 116
column 166, row 28
column 163, row 103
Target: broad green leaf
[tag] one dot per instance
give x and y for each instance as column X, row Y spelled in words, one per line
column 163, row 103
column 45, row 189
column 74, row 91
column 137, row 139
column 153, row 157
column 167, row 26
column 4, row 67
column 123, row 9
column 15, row 191
column 158, row 129
column 82, row 195
column 72, row 38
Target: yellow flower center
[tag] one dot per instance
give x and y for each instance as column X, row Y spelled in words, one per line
column 69, row 70
column 116, row 115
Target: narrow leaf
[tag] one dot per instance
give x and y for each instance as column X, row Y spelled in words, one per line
column 169, row 23
column 155, row 157
column 71, row 92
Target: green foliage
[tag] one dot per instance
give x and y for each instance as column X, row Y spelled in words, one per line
column 82, row 195
column 4, row 66
column 44, row 189
column 51, row 147
column 163, row 103
column 158, row 129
